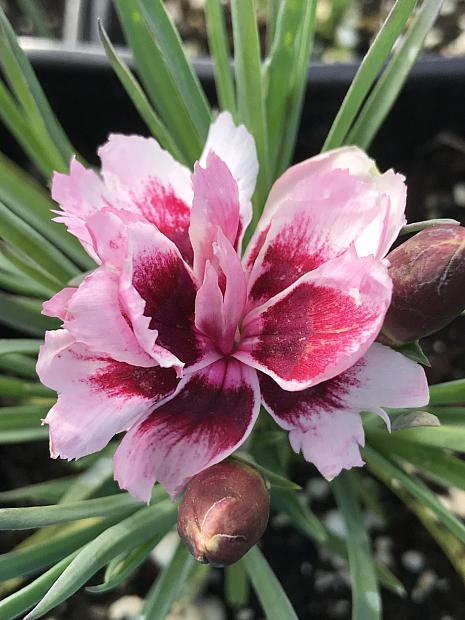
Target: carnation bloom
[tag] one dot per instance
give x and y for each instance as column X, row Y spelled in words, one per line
column 177, row 341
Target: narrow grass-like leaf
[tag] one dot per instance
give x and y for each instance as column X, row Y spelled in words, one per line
column 43, row 492
column 273, row 9
column 20, row 285
column 414, row 227
column 122, row 537
column 386, row 90
column 435, row 463
column 21, row 601
column 10, row 386
column 158, row 81
column 385, row 470
column 269, row 591
column 19, row 365
column 236, row 585
column 168, row 586
column 301, row 516
column 123, row 566
column 28, row 200
column 29, row 560
column 444, row 436
column 16, row 314
column 23, row 435
column 55, row 130
column 28, row 268
column 25, row 238
column 25, row 416
column 276, row 480
column 170, row 44
column 250, row 100
column 299, row 78
column 40, row 516
column 368, row 71
column 366, row 602
column 138, row 97
column 449, row 393
column 19, row 345
column 219, row 51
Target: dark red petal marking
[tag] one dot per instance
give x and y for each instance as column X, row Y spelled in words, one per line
column 122, row 380
column 162, row 280
column 302, row 334
column 160, row 206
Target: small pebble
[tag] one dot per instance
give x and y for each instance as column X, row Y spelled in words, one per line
column 413, row 560
column 424, row 586
column 125, row 608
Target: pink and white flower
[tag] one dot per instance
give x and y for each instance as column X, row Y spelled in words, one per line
column 177, row 341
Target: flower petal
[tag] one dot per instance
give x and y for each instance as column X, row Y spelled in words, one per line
column 58, row 304
column 158, row 296
column 79, row 194
column 97, row 396
column 220, row 301
column 235, row 146
column 211, row 415
column 322, row 218
column 319, row 326
column 308, row 181
column 148, row 180
column 215, row 206
column 324, row 422
column 94, row 317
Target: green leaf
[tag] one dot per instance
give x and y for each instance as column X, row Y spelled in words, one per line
column 19, row 284
column 91, row 480
column 386, row 90
column 158, row 81
column 368, row 71
column 40, row 516
column 299, row 513
column 171, row 48
column 392, row 475
column 26, row 416
column 15, row 313
column 449, row 393
column 299, row 74
column 138, row 98
column 236, row 585
column 276, row 480
column 20, row 365
column 413, row 351
column 49, row 491
column 57, row 135
column 168, row 586
column 124, row 565
column 366, row 602
column 415, row 419
column 27, row 199
column 219, row 51
column 444, row 436
column 269, row 591
column 278, row 78
column 28, row 269
column 19, row 345
column 28, row 560
column 33, row 245
column 19, row 602
column 436, row 463
column 418, row 226
column 126, row 535
column 23, row 435
column 10, row 386
column 250, row 100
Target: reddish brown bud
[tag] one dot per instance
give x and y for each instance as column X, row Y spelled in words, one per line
column 224, row 512
column 428, row 274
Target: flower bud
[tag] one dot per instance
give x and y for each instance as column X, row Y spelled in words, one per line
column 428, row 275
column 224, row 512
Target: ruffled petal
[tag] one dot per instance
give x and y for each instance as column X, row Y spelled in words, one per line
column 319, row 326
column 211, row 415
column 148, row 180
column 158, row 296
column 324, row 421
column 58, row 304
column 319, row 221
column 236, row 147
column 79, row 194
column 215, row 206
column 97, row 396
column 220, row 301
column 308, row 181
